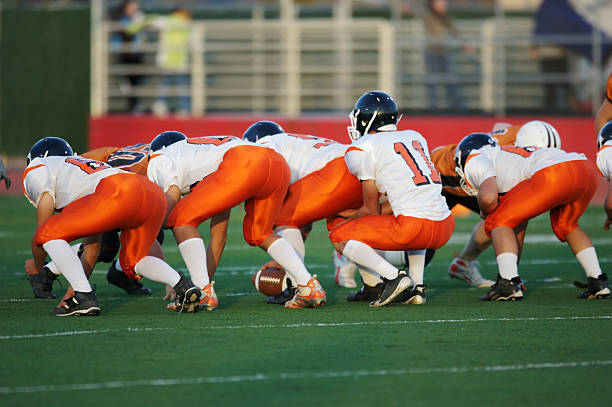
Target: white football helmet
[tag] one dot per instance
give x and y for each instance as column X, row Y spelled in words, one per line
column 539, row 134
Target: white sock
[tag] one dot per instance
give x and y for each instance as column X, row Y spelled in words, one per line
column 369, row 277
column 68, row 263
column 364, row 255
column 283, row 253
column 416, row 261
column 294, row 237
column 51, row 265
column 588, row 260
column 507, row 264
column 194, row 256
column 157, row 270
column 397, row 258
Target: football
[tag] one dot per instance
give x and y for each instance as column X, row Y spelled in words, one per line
column 270, row 279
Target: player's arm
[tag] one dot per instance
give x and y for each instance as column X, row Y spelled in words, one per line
column 488, row 195
column 218, row 237
column 173, row 195
column 371, row 205
column 44, row 210
column 604, row 115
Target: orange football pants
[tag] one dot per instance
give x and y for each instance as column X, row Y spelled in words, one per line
column 320, row 194
column 257, row 176
column 564, row 189
column 127, row 201
column 387, row 232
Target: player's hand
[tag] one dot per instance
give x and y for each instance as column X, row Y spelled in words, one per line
column 348, row 213
column 170, row 293
column 30, row 267
column 4, row 176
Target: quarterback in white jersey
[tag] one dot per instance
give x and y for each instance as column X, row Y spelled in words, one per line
column 532, row 181
column 94, row 198
column 215, row 174
column 604, row 163
column 395, row 163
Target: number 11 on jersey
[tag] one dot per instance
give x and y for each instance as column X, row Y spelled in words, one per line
column 419, row 177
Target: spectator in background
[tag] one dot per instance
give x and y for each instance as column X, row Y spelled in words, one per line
column 173, row 58
column 440, row 68
column 4, row 175
column 128, row 41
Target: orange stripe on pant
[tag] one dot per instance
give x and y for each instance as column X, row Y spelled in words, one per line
column 257, row 176
column 387, row 232
column 320, row 194
column 127, row 201
column 564, row 189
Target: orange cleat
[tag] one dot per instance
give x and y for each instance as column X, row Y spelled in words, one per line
column 308, row 296
column 208, row 300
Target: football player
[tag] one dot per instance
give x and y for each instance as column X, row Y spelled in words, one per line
column 535, row 133
column 532, row 181
column 604, row 114
column 604, row 163
column 57, row 180
column 215, row 174
column 395, row 163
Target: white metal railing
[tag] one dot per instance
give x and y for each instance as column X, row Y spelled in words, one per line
column 292, row 66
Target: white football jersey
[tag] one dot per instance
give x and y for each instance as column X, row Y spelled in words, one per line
column 304, row 154
column 399, row 162
column 511, row 164
column 188, row 161
column 66, row 179
column 604, row 160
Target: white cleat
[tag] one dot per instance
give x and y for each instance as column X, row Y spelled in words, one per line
column 468, row 272
column 344, row 271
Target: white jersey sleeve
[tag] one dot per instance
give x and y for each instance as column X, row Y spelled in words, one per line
column 360, row 164
column 36, row 181
column 162, row 171
column 604, row 160
column 477, row 169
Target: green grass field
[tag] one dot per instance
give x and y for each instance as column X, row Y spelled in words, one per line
column 550, row 349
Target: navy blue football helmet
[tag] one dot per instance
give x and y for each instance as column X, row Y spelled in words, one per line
column 373, row 111
column 605, row 134
column 49, row 146
column 166, row 138
column 470, row 143
column 261, row 129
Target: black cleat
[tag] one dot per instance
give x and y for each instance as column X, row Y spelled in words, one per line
column 187, row 295
column 415, row 295
column 283, row 297
column 84, row 304
column 595, row 288
column 392, row 289
column 505, row 290
column 118, row 278
column 367, row 293
column 42, row 284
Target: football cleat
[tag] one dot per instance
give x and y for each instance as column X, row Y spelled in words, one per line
column 187, row 296
column 392, row 289
column 309, row 295
column 505, row 290
column 287, row 294
column 367, row 293
column 80, row 304
column 344, row 271
column 468, row 272
column 595, row 288
column 42, row 284
column 118, row 278
column 414, row 296
column 208, row 297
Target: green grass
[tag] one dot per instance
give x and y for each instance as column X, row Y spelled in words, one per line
column 549, row 349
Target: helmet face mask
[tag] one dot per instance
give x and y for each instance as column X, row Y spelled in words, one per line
column 373, row 111
column 261, row 129
column 604, row 135
column 49, row 146
column 165, row 139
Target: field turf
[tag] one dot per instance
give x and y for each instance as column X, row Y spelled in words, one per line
column 549, row 349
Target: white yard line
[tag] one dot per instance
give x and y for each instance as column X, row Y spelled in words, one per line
column 311, row 325
column 299, row 376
